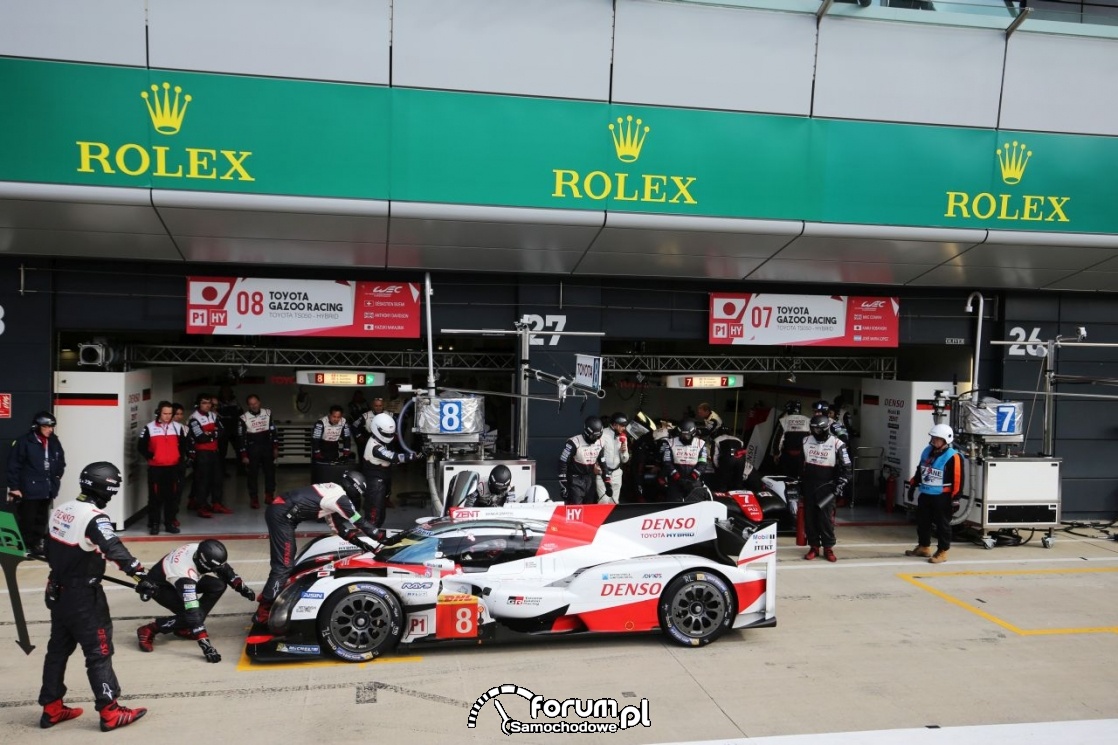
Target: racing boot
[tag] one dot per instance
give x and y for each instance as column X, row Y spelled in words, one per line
column 269, row 498
column 146, row 636
column 57, row 712
column 812, row 553
column 220, row 509
column 925, row 551
column 262, row 612
column 938, row 558
column 205, row 512
column 115, row 716
column 253, row 502
column 829, row 555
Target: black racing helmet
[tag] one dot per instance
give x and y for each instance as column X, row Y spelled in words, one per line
column 101, row 481
column 619, row 418
column 44, row 419
column 592, row 431
column 821, row 406
column 355, row 485
column 500, row 480
column 687, row 429
column 792, row 407
column 210, row 555
column 820, row 426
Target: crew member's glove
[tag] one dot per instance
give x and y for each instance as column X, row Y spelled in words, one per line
column 562, row 492
column 353, row 537
column 676, row 476
column 694, row 475
column 50, row 597
column 609, row 490
column 208, row 649
column 244, row 460
column 144, row 586
column 661, row 481
column 247, row 592
column 911, row 490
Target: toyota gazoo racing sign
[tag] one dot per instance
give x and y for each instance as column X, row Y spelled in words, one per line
column 804, row 320
column 296, row 307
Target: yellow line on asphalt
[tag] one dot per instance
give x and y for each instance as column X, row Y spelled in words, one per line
column 913, row 579
column 246, row 665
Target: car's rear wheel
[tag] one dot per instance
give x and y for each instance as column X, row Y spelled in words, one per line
column 361, row 621
column 696, row 608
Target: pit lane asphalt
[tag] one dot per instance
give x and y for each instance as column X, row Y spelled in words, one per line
column 876, row 641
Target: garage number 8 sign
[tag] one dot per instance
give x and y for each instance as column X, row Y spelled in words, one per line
column 450, row 416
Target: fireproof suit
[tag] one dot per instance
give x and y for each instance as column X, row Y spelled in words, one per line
column 166, row 447
column 377, row 463
column 256, row 440
column 792, row 430
column 577, row 468
column 681, row 466
column 186, row 592
column 207, row 487
column 306, row 503
column 825, row 475
column 81, row 536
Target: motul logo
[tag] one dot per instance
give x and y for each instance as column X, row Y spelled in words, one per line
column 668, row 523
column 630, row 589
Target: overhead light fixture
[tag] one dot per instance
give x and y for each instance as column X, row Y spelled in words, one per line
column 792, row 377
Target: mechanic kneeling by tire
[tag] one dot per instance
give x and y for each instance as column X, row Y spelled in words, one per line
column 308, row 503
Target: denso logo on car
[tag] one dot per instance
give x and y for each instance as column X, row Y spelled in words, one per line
column 631, row 589
column 668, row 523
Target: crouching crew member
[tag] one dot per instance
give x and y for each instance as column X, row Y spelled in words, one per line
column 257, row 446
column 825, row 474
column 284, row 514
column 184, row 587
column 583, row 458
column 495, row 491
column 81, row 537
column 683, row 455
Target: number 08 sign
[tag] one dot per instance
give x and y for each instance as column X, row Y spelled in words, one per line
column 804, row 320
column 297, row 307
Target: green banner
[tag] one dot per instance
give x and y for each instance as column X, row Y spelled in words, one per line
column 11, row 541
column 116, row 126
column 113, row 126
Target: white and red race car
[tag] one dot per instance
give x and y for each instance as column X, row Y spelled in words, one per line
column 693, row 570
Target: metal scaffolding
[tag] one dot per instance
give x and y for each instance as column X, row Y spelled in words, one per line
column 416, row 360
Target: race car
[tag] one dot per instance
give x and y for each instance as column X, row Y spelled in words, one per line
column 692, row 570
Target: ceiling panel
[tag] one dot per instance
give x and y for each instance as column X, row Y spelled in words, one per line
column 802, row 270
column 1020, row 278
column 1033, row 256
column 413, row 224
column 77, row 208
column 275, row 251
column 457, row 258
column 665, row 265
column 203, row 223
column 1089, row 280
column 85, row 244
column 824, row 248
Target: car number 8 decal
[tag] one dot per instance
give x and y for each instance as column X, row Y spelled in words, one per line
column 464, row 623
column 450, row 416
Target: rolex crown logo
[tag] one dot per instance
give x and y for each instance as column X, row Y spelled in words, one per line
column 1013, row 161
column 166, row 114
column 628, row 138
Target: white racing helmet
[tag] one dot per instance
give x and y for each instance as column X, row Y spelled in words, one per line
column 943, row 432
column 536, row 493
column 384, row 427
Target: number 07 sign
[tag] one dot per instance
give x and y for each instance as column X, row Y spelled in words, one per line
column 297, row 307
column 804, row 320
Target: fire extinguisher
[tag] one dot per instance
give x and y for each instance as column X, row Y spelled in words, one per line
column 891, row 490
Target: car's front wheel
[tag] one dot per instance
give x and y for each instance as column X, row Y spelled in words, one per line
column 361, row 621
column 696, row 608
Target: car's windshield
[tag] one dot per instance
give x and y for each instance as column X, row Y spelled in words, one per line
column 473, row 544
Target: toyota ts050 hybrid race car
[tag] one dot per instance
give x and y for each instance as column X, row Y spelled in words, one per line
column 692, row 570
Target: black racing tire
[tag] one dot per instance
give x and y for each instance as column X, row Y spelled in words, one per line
column 696, row 608
column 360, row 622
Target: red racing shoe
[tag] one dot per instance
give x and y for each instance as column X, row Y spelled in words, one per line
column 220, row 509
column 115, row 716
column 146, row 636
column 57, row 712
